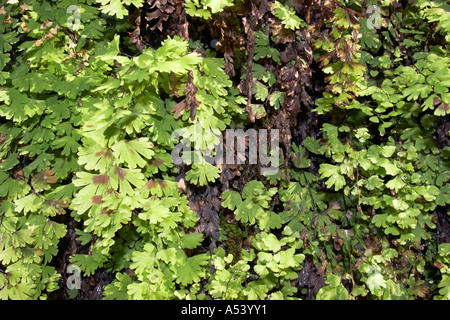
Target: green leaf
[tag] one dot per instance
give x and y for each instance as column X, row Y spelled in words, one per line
column 30, row 203
column 376, row 281
column 83, row 237
column 218, row 5
column 156, row 212
column 95, row 158
column 143, row 261
column 231, row 199
column 202, row 173
column 287, row 16
column 116, row 7
column 138, row 291
column 300, row 160
column 258, row 110
column 263, row 49
column 395, row 184
column 192, row 269
column 269, row 220
column 248, row 211
column 374, row 182
column 88, row 263
column 272, row 243
column 444, row 288
column 413, row 92
column 334, row 291
column 192, row 240
column 380, row 220
column 312, row 145
column 276, row 99
column 362, row 134
column 133, row 152
column 260, row 73
column 10, row 162
column 192, row 9
column 399, row 204
column 122, row 179
column 10, row 255
column 335, row 178
column 117, row 290
column 260, row 91
column 390, row 168
column 388, row 151
column 287, row 258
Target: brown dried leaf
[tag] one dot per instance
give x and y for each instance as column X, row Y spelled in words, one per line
column 162, row 183
column 443, row 108
column 57, row 205
column 24, row 7
column 120, row 173
column 101, row 179
column 353, row 16
column 421, row 290
column 151, row 184
column 181, row 185
column 45, row 25
column 105, row 153
column 179, row 108
column 23, row 25
column 335, row 205
column 44, row 177
column 97, row 199
column 190, row 90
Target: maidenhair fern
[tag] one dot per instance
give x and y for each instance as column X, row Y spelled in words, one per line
column 111, row 129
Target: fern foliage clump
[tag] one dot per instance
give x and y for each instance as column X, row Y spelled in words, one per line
column 114, row 155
